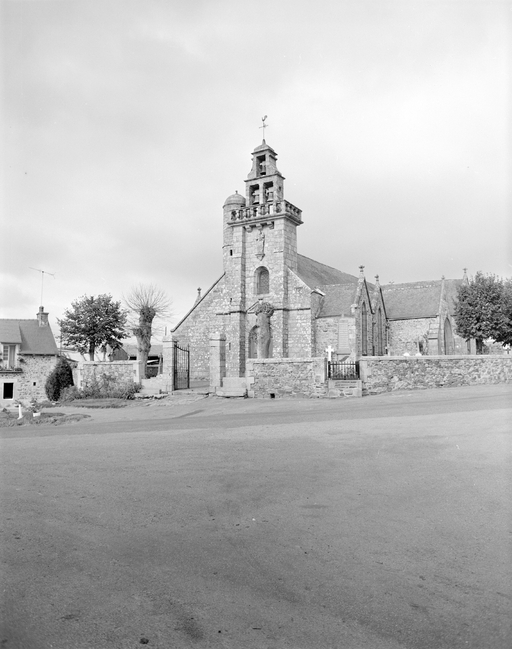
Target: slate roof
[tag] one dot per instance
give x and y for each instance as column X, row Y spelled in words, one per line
column 27, row 333
column 418, row 299
column 315, row 274
column 338, row 300
column 10, row 332
column 131, row 349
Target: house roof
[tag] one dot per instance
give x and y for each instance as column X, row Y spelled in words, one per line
column 10, row 332
column 315, row 274
column 131, row 349
column 32, row 338
column 418, row 299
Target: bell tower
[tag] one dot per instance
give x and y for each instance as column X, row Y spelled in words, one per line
column 259, row 249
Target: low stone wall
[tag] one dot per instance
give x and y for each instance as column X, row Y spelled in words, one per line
column 287, row 377
column 121, row 372
column 388, row 373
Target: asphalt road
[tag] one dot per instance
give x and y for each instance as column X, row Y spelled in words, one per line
column 378, row 523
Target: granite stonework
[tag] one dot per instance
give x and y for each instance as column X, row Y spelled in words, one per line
column 30, row 380
column 427, row 336
column 287, row 377
column 314, row 307
column 119, row 372
column 205, row 319
column 386, row 374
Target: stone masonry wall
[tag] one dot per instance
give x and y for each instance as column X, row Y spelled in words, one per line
column 326, row 333
column 389, row 373
column 197, row 328
column 122, row 372
column 404, row 335
column 29, row 383
column 288, row 377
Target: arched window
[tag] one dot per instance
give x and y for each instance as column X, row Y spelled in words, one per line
column 380, row 334
column 364, row 330
column 262, row 280
column 448, row 337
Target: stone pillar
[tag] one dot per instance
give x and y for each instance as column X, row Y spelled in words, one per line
column 167, row 361
column 217, row 359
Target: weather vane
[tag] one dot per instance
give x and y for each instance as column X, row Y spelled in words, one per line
column 264, row 126
column 43, row 273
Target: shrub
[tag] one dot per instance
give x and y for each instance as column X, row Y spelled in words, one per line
column 60, row 378
column 104, row 387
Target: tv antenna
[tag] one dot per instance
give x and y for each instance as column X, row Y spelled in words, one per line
column 43, row 273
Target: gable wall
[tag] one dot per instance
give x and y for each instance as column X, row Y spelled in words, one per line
column 35, row 369
column 197, row 327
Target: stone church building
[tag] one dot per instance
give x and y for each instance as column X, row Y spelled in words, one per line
column 272, row 302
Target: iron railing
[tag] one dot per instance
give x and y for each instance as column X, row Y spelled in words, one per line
column 343, row 370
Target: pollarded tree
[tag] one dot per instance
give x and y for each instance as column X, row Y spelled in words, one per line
column 146, row 302
column 93, row 323
column 480, row 310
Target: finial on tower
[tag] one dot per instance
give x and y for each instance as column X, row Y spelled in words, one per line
column 361, row 271
column 263, row 126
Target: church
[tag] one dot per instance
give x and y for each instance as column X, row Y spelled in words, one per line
column 272, row 302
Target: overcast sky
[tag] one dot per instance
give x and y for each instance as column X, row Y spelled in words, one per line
column 128, row 122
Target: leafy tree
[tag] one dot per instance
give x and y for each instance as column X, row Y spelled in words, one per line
column 481, row 310
column 146, row 302
column 505, row 335
column 93, row 323
column 60, row 378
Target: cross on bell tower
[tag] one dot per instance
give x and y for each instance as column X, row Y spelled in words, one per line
column 264, row 126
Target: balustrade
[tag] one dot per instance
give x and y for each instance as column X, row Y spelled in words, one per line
column 267, row 209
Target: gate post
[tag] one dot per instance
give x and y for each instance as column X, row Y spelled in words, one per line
column 217, row 359
column 168, row 361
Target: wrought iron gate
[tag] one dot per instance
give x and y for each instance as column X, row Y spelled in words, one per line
column 181, row 367
column 343, row 371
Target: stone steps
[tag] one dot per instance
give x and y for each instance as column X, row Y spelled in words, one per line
column 339, row 388
column 233, row 386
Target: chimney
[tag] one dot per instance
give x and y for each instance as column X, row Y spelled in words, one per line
column 42, row 317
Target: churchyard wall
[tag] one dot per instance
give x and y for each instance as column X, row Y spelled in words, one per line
column 389, row 373
column 287, row 377
column 118, row 372
column 29, row 383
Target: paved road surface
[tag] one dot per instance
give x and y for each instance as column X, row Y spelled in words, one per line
column 379, row 523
